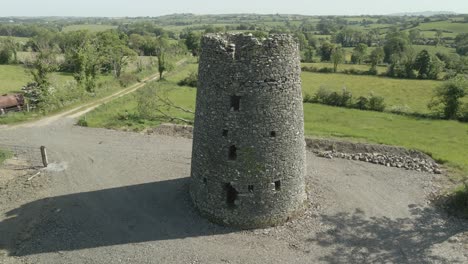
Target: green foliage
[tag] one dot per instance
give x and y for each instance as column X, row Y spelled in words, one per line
column 376, row 57
column 4, row 155
column 447, row 97
column 325, row 51
column 337, row 57
column 428, row 67
column 457, row 201
column 114, row 52
column 147, row 102
column 461, row 43
column 359, row 53
column 396, row 43
column 192, row 41
column 126, row 79
column 5, row 56
column 345, row 99
column 191, row 80
column 40, row 70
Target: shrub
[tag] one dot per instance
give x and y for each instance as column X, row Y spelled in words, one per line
column 376, row 103
column 307, row 98
column 447, row 97
column 82, row 122
column 191, row 80
column 361, row 103
column 147, row 102
column 326, row 70
column 126, row 79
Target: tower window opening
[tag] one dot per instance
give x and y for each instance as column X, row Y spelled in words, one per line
column 235, row 103
column 232, row 152
column 277, row 185
column 251, row 188
column 205, row 181
column 231, row 194
column 225, row 132
column 272, row 133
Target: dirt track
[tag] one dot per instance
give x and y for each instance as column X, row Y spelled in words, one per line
column 115, row 197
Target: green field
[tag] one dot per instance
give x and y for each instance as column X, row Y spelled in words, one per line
column 445, row 26
column 14, row 77
column 110, row 115
column 445, row 140
column 90, row 27
column 408, row 95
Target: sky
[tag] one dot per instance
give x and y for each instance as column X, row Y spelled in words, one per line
column 120, row 8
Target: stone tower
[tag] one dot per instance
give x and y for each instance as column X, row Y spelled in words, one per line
column 248, row 159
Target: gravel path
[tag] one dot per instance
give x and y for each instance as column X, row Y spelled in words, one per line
column 117, row 197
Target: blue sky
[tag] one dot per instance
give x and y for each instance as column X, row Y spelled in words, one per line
column 119, row 8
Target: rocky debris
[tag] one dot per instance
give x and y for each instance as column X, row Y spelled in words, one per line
column 389, row 160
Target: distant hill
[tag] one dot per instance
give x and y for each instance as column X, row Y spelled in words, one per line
column 425, row 13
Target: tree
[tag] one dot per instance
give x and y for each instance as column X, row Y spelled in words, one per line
column 326, row 26
column 164, row 64
column 376, row 57
column 396, row 44
column 40, row 69
column 87, row 65
column 8, row 51
column 447, row 97
column 114, row 51
column 302, row 40
column 359, row 53
column 326, row 50
column 414, row 35
column 308, row 54
column 461, row 44
column 438, row 37
column 337, row 57
column 193, row 42
column 428, row 67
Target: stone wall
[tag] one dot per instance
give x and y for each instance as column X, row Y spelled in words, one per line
column 248, row 159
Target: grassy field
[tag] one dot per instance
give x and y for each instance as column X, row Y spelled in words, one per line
column 90, row 27
column 13, row 77
column 445, row 26
column 446, row 141
column 408, row 95
column 112, row 115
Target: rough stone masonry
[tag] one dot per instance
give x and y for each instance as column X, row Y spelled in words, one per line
column 248, row 159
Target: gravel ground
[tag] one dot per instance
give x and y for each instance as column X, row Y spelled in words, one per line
column 116, row 197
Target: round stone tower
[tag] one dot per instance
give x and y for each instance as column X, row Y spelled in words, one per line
column 248, row 159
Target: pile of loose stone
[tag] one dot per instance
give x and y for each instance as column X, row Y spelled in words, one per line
column 389, row 160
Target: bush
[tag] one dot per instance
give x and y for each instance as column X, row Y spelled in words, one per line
column 147, row 102
column 326, row 70
column 345, row 99
column 447, row 98
column 127, row 79
column 191, row 80
column 82, row 122
column 376, row 103
column 362, row 103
